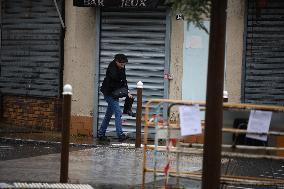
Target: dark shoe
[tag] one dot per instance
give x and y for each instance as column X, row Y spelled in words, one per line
column 103, row 139
column 123, row 137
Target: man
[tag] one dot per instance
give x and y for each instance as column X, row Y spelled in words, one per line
column 115, row 78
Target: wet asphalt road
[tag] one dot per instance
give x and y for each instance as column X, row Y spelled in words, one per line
column 15, row 149
column 102, row 167
column 109, row 167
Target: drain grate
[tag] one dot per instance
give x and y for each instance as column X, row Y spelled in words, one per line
column 46, row 185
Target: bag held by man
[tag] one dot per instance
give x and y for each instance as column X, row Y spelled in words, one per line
column 127, row 108
column 120, row 93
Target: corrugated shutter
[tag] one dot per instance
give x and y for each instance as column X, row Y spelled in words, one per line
column 264, row 58
column 141, row 35
column 30, row 47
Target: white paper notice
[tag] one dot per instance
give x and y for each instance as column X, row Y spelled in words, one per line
column 190, row 120
column 259, row 122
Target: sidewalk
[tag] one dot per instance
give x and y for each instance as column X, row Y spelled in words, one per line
column 102, row 167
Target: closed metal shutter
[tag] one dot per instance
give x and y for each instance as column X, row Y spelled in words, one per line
column 30, row 48
column 142, row 36
column 264, row 53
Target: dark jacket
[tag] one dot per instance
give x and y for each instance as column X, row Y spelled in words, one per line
column 115, row 78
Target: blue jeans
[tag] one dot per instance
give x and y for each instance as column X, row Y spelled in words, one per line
column 112, row 107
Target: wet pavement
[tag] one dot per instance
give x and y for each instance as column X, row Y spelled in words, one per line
column 101, row 167
column 15, row 149
column 114, row 166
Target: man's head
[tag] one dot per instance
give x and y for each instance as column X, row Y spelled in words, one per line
column 120, row 60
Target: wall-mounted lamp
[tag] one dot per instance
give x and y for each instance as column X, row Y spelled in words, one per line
column 179, row 17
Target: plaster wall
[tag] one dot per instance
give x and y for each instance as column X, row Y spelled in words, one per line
column 234, row 49
column 79, row 54
column 234, row 52
column 176, row 58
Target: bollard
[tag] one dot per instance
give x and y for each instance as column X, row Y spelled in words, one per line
column 138, row 114
column 65, row 133
column 225, row 96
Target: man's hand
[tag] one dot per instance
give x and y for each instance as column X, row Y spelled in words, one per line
column 129, row 94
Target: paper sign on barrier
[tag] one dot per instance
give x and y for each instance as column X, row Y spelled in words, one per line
column 190, row 120
column 259, row 122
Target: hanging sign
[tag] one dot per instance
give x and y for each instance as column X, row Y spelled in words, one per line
column 259, row 122
column 116, row 3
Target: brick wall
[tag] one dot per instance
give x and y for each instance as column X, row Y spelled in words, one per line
column 36, row 112
column 81, row 125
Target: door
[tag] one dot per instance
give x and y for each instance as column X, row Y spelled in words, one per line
column 195, row 61
column 31, row 48
column 263, row 78
column 143, row 35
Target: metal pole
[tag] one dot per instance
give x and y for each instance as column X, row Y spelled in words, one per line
column 138, row 114
column 67, row 97
column 214, row 97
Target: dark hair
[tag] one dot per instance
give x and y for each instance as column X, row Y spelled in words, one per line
column 120, row 58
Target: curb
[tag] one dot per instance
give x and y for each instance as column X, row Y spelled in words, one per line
column 43, row 142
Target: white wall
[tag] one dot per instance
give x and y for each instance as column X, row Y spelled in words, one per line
column 79, row 54
column 195, row 61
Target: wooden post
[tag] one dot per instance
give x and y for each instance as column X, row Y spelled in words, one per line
column 67, row 97
column 214, row 98
column 138, row 114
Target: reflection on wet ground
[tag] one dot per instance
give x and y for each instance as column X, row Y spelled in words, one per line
column 124, row 165
column 112, row 166
column 14, row 149
column 261, row 168
column 101, row 167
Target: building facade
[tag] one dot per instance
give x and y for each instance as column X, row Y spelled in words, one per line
column 161, row 49
column 82, row 53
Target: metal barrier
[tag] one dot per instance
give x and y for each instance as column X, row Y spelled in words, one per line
column 1, row 106
column 230, row 149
